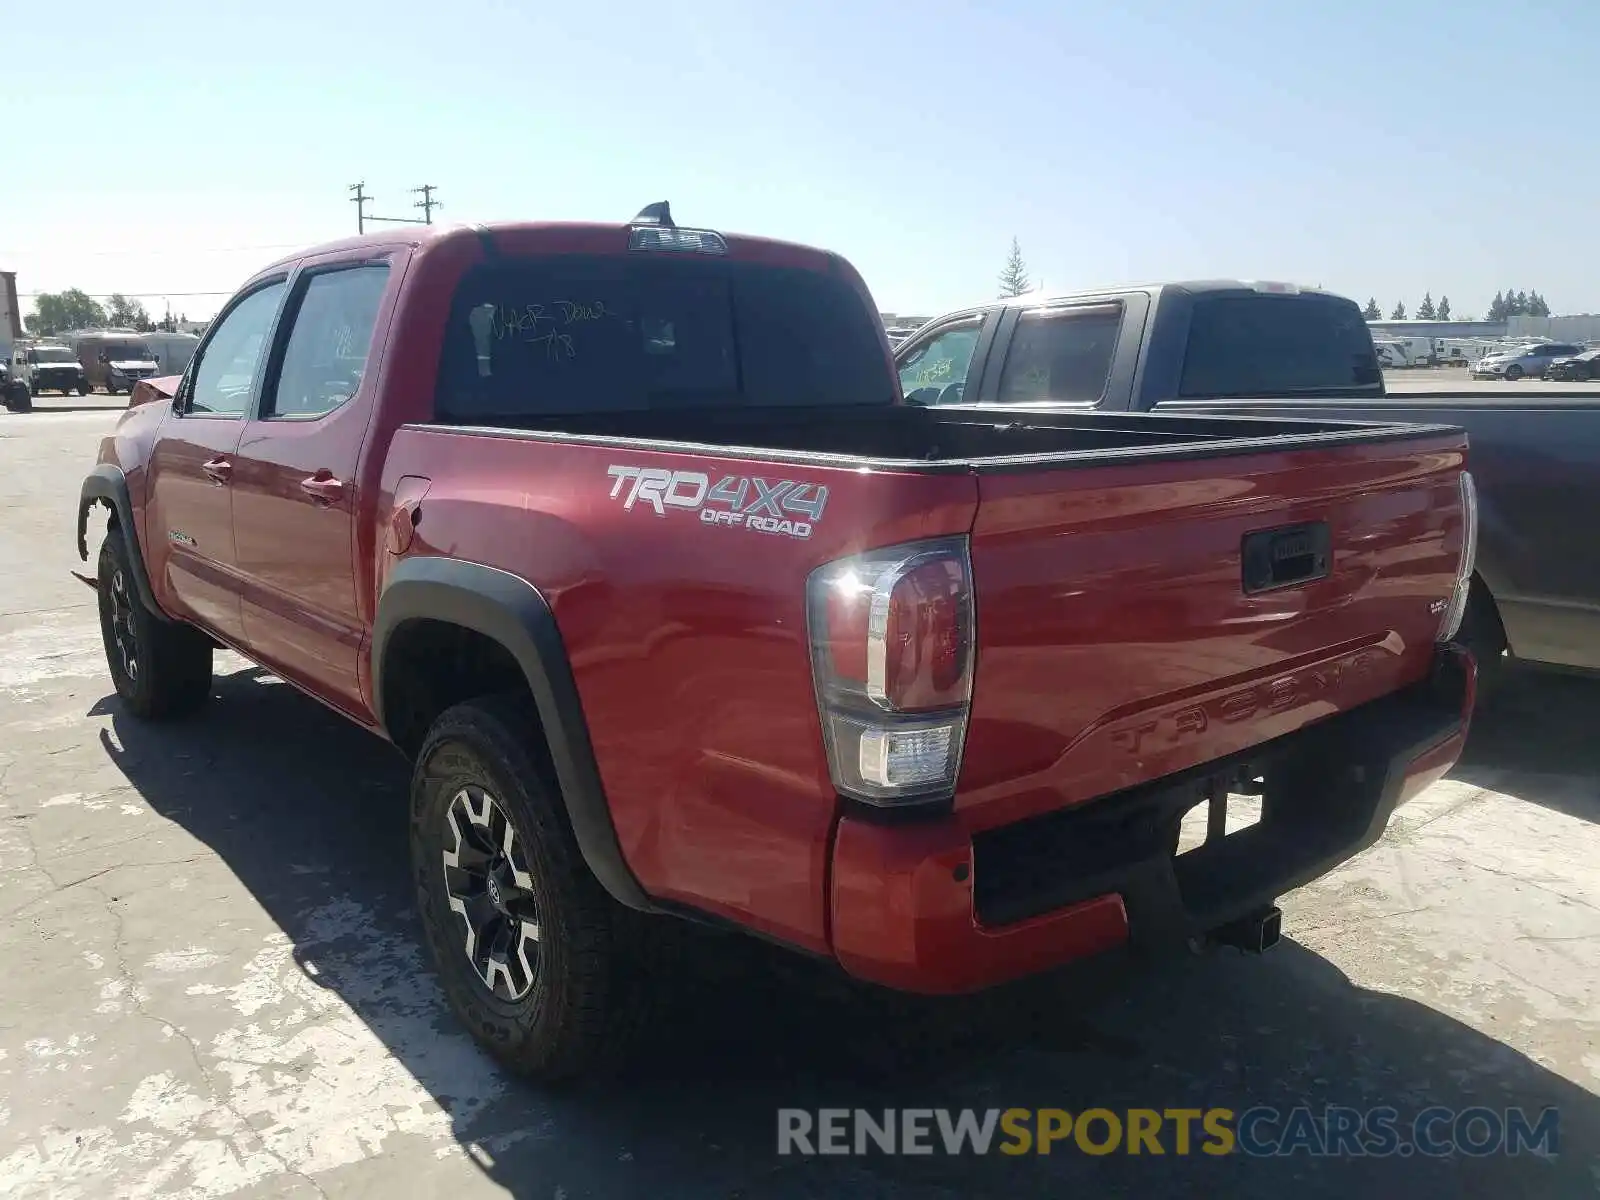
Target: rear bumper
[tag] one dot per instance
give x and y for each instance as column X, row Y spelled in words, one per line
column 928, row 907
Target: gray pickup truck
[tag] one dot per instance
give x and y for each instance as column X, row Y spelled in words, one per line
column 1258, row 349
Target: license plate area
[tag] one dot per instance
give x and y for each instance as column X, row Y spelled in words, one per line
column 1287, row 556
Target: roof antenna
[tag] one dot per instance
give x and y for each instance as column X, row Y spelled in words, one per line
column 658, row 213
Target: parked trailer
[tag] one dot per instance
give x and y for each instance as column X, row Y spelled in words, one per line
column 172, row 350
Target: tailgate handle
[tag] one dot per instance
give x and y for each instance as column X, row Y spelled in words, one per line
column 1286, row 556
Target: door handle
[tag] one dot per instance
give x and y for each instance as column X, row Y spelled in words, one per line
column 218, row 470
column 323, row 487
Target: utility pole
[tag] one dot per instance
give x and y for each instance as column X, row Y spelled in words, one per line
column 360, row 201
column 427, row 204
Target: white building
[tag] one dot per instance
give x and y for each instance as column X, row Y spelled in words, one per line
column 1582, row 328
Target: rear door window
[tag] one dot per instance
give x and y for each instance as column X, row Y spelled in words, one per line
column 326, row 355
column 1061, row 355
column 1264, row 345
column 581, row 335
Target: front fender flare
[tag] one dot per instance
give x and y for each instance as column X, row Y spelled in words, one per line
column 107, row 485
column 511, row 610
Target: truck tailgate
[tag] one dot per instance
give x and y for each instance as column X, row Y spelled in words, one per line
column 1139, row 620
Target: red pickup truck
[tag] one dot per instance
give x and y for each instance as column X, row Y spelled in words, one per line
column 626, row 537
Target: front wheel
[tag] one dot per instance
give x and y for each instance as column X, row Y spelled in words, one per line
column 538, row 962
column 160, row 669
column 83, row 389
column 19, row 399
column 1513, row 373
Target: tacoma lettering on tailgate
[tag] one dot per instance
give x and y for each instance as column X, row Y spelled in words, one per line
column 734, row 501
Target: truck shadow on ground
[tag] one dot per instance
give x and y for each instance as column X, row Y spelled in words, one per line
column 266, row 778
column 1538, row 739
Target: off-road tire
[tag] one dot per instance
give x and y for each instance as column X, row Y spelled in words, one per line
column 1483, row 634
column 171, row 662
column 18, row 398
column 587, row 1001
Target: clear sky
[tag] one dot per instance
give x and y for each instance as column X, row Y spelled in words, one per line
column 1378, row 149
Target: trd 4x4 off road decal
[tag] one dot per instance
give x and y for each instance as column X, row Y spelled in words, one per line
column 734, row 501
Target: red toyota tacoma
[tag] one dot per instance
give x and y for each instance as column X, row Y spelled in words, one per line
column 626, row 537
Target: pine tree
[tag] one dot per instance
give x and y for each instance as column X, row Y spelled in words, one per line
column 1372, row 312
column 1519, row 306
column 1497, row 310
column 1425, row 311
column 1014, row 279
column 1399, row 313
column 1444, row 308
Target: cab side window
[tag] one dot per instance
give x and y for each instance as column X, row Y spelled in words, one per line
column 326, row 354
column 228, row 370
column 1061, row 355
column 935, row 371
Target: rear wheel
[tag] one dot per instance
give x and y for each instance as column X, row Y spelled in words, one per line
column 160, row 669
column 538, row 962
column 1483, row 634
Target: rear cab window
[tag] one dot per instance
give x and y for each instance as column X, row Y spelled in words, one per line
column 569, row 335
column 1061, row 355
column 1266, row 345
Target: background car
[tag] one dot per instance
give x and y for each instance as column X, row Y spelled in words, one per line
column 1578, row 367
column 1527, row 360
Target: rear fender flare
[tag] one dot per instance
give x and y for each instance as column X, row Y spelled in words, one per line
column 107, row 485
column 510, row 610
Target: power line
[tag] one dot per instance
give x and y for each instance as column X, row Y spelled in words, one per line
column 130, row 295
column 139, row 250
column 359, row 198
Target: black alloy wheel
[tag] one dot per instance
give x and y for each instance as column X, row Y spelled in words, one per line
column 491, row 891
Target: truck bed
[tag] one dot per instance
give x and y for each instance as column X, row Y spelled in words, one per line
column 946, row 439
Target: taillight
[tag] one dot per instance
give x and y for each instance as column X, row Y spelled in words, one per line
column 1450, row 625
column 891, row 651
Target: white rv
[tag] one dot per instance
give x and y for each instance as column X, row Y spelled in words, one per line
column 1391, row 354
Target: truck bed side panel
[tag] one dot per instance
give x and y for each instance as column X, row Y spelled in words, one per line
column 1117, row 643
column 687, row 640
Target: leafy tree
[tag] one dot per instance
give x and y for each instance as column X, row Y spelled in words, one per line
column 57, row 312
column 126, row 313
column 1399, row 313
column 1425, row 310
column 1014, row 279
column 1444, row 308
column 1372, row 312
